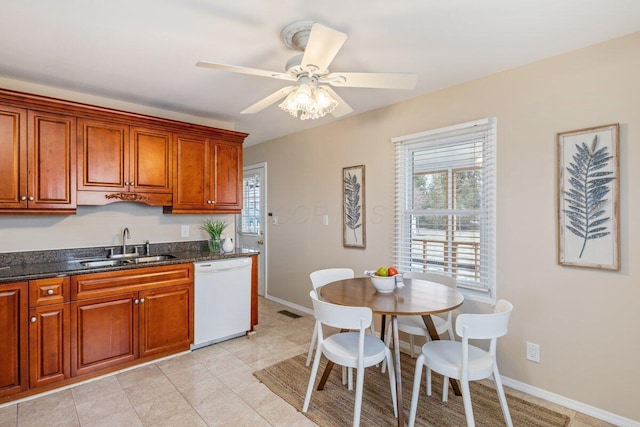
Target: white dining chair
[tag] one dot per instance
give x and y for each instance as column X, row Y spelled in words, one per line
column 352, row 349
column 414, row 325
column 465, row 362
column 320, row 278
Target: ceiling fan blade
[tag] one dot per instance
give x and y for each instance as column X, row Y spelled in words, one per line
column 343, row 108
column 323, row 45
column 271, row 99
column 245, row 70
column 372, row 80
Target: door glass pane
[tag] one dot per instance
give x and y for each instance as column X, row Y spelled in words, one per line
column 250, row 218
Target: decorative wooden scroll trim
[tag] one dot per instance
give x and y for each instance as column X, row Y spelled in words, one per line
column 129, row 197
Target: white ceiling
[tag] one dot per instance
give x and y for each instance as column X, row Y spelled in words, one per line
column 144, row 51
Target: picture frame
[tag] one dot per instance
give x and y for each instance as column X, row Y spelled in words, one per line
column 353, row 207
column 589, row 197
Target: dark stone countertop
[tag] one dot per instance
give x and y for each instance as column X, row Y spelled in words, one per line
column 21, row 266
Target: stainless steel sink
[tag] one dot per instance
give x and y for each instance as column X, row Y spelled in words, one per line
column 103, row 263
column 123, row 256
column 111, row 262
column 155, row 258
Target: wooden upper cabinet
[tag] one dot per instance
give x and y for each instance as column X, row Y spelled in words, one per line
column 208, row 175
column 150, row 170
column 13, row 157
column 103, row 155
column 228, row 158
column 37, row 161
column 119, row 162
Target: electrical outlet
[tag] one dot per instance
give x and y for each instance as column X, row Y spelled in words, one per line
column 325, row 219
column 184, row 231
column 533, row 352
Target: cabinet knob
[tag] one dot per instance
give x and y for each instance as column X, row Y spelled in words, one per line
column 136, row 301
column 33, row 319
column 50, row 292
column 141, row 300
column 132, row 183
column 23, row 198
column 31, row 198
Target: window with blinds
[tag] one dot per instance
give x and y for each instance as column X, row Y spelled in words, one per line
column 446, row 205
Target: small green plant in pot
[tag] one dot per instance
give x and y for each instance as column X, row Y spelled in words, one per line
column 214, row 229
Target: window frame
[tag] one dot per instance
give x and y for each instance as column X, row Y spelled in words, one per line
column 405, row 147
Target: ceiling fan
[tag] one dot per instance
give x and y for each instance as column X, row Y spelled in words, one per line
column 311, row 96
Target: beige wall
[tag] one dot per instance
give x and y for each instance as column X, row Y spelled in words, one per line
column 585, row 320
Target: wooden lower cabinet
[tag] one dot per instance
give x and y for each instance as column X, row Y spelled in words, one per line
column 104, row 332
column 118, row 317
column 166, row 319
column 48, row 344
column 13, row 335
column 49, row 331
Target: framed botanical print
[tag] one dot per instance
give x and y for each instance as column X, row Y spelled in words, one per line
column 588, row 198
column 353, row 228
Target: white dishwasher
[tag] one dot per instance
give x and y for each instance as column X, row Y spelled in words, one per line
column 222, row 300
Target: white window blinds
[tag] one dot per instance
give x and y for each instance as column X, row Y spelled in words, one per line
column 446, row 204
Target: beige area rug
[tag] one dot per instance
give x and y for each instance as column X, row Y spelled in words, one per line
column 333, row 406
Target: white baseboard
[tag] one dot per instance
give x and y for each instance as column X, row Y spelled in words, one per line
column 589, row 410
column 289, row 304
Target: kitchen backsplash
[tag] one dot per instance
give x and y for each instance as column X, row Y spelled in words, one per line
column 101, row 226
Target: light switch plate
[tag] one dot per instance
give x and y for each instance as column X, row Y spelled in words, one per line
column 184, row 230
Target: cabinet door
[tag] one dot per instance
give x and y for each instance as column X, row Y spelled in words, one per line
column 192, row 163
column 228, row 179
column 13, row 157
column 52, row 161
column 103, row 332
column 150, row 168
column 103, row 155
column 48, row 344
column 14, row 338
column 166, row 319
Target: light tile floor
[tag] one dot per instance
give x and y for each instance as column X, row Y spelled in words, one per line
column 212, row 386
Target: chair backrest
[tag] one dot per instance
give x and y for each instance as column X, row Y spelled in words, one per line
column 328, row 275
column 485, row 326
column 432, row 277
column 341, row 316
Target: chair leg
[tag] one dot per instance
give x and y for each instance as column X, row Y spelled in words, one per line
column 387, row 340
column 428, row 380
column 358, row 400
column 416, row 388
column 392, row 383
column 466, row 399
column 501, row 396
column 314, row 338
column 350, row 378
column 445, row 389
column 312, row 379
column 411, row 345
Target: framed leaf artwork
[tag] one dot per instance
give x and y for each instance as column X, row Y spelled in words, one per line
column 588, row 198
column 353, row 228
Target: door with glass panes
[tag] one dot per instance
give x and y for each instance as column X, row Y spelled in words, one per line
column 251, row 222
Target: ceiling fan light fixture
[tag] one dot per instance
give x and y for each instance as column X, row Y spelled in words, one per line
column 308, row 102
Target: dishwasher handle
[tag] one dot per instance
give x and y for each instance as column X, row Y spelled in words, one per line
column 213, row 269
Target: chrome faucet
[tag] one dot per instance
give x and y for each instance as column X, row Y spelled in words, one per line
column 125, row 235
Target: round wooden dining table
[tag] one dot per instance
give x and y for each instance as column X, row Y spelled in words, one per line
column 411, row 297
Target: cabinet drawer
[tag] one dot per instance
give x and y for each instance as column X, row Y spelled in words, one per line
column 48, row 291
column 116, row 282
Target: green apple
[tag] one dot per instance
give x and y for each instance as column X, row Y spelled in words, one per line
column 382, row 271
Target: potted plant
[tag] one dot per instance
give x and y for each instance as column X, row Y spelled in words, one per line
column 214, row 229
